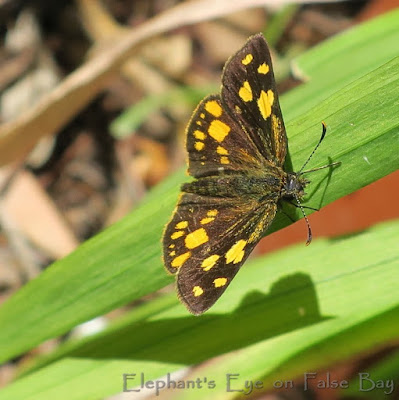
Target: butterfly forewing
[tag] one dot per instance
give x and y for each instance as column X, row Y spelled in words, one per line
column 217, row 143
column 249, row 94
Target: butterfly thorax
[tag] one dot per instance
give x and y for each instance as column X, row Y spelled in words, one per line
column 294, row 185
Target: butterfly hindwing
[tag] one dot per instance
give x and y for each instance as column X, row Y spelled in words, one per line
column 207, row 241
column 249, row 94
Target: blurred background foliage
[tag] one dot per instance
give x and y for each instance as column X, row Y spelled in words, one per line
column 95, row 96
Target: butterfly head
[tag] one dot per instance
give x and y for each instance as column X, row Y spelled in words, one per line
column 294, row 185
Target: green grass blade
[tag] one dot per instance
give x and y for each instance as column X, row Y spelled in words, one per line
column 279, row 22
column 342, row 59
column 120, row 264
column 123, row 263
column 134, row 116
column 292, row 306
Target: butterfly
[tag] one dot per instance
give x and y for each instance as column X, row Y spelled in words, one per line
column 237, row 144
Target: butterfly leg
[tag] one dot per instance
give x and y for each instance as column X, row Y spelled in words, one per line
column 307, row 207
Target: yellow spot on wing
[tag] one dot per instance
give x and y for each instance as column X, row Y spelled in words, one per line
column 263, row 68
column 196, row 238
column 218, row 130
column 177, row 234
column 171, row 246
column 199, row 146
column 209, row 262
column 224, row 160
column 172, row 253
column 236, row 252
column 197, row 291
column 212, row 213
column 248, row 58
column 181, row 225
column 206, row 220
column 202, row 115
column 265, row 103
column 199, row 135
column 180, row 260
column 219, row 282
column 222, row 151
column 245, row 92
column 213, row 108
column 277, row 129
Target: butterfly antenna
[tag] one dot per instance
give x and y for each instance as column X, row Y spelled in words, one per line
column 309, row 239
column 323, row 133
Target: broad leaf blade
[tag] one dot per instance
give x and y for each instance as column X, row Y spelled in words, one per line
column 123, row 263
column 285, row 314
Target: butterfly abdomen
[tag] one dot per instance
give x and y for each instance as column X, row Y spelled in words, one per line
column 235, row 186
